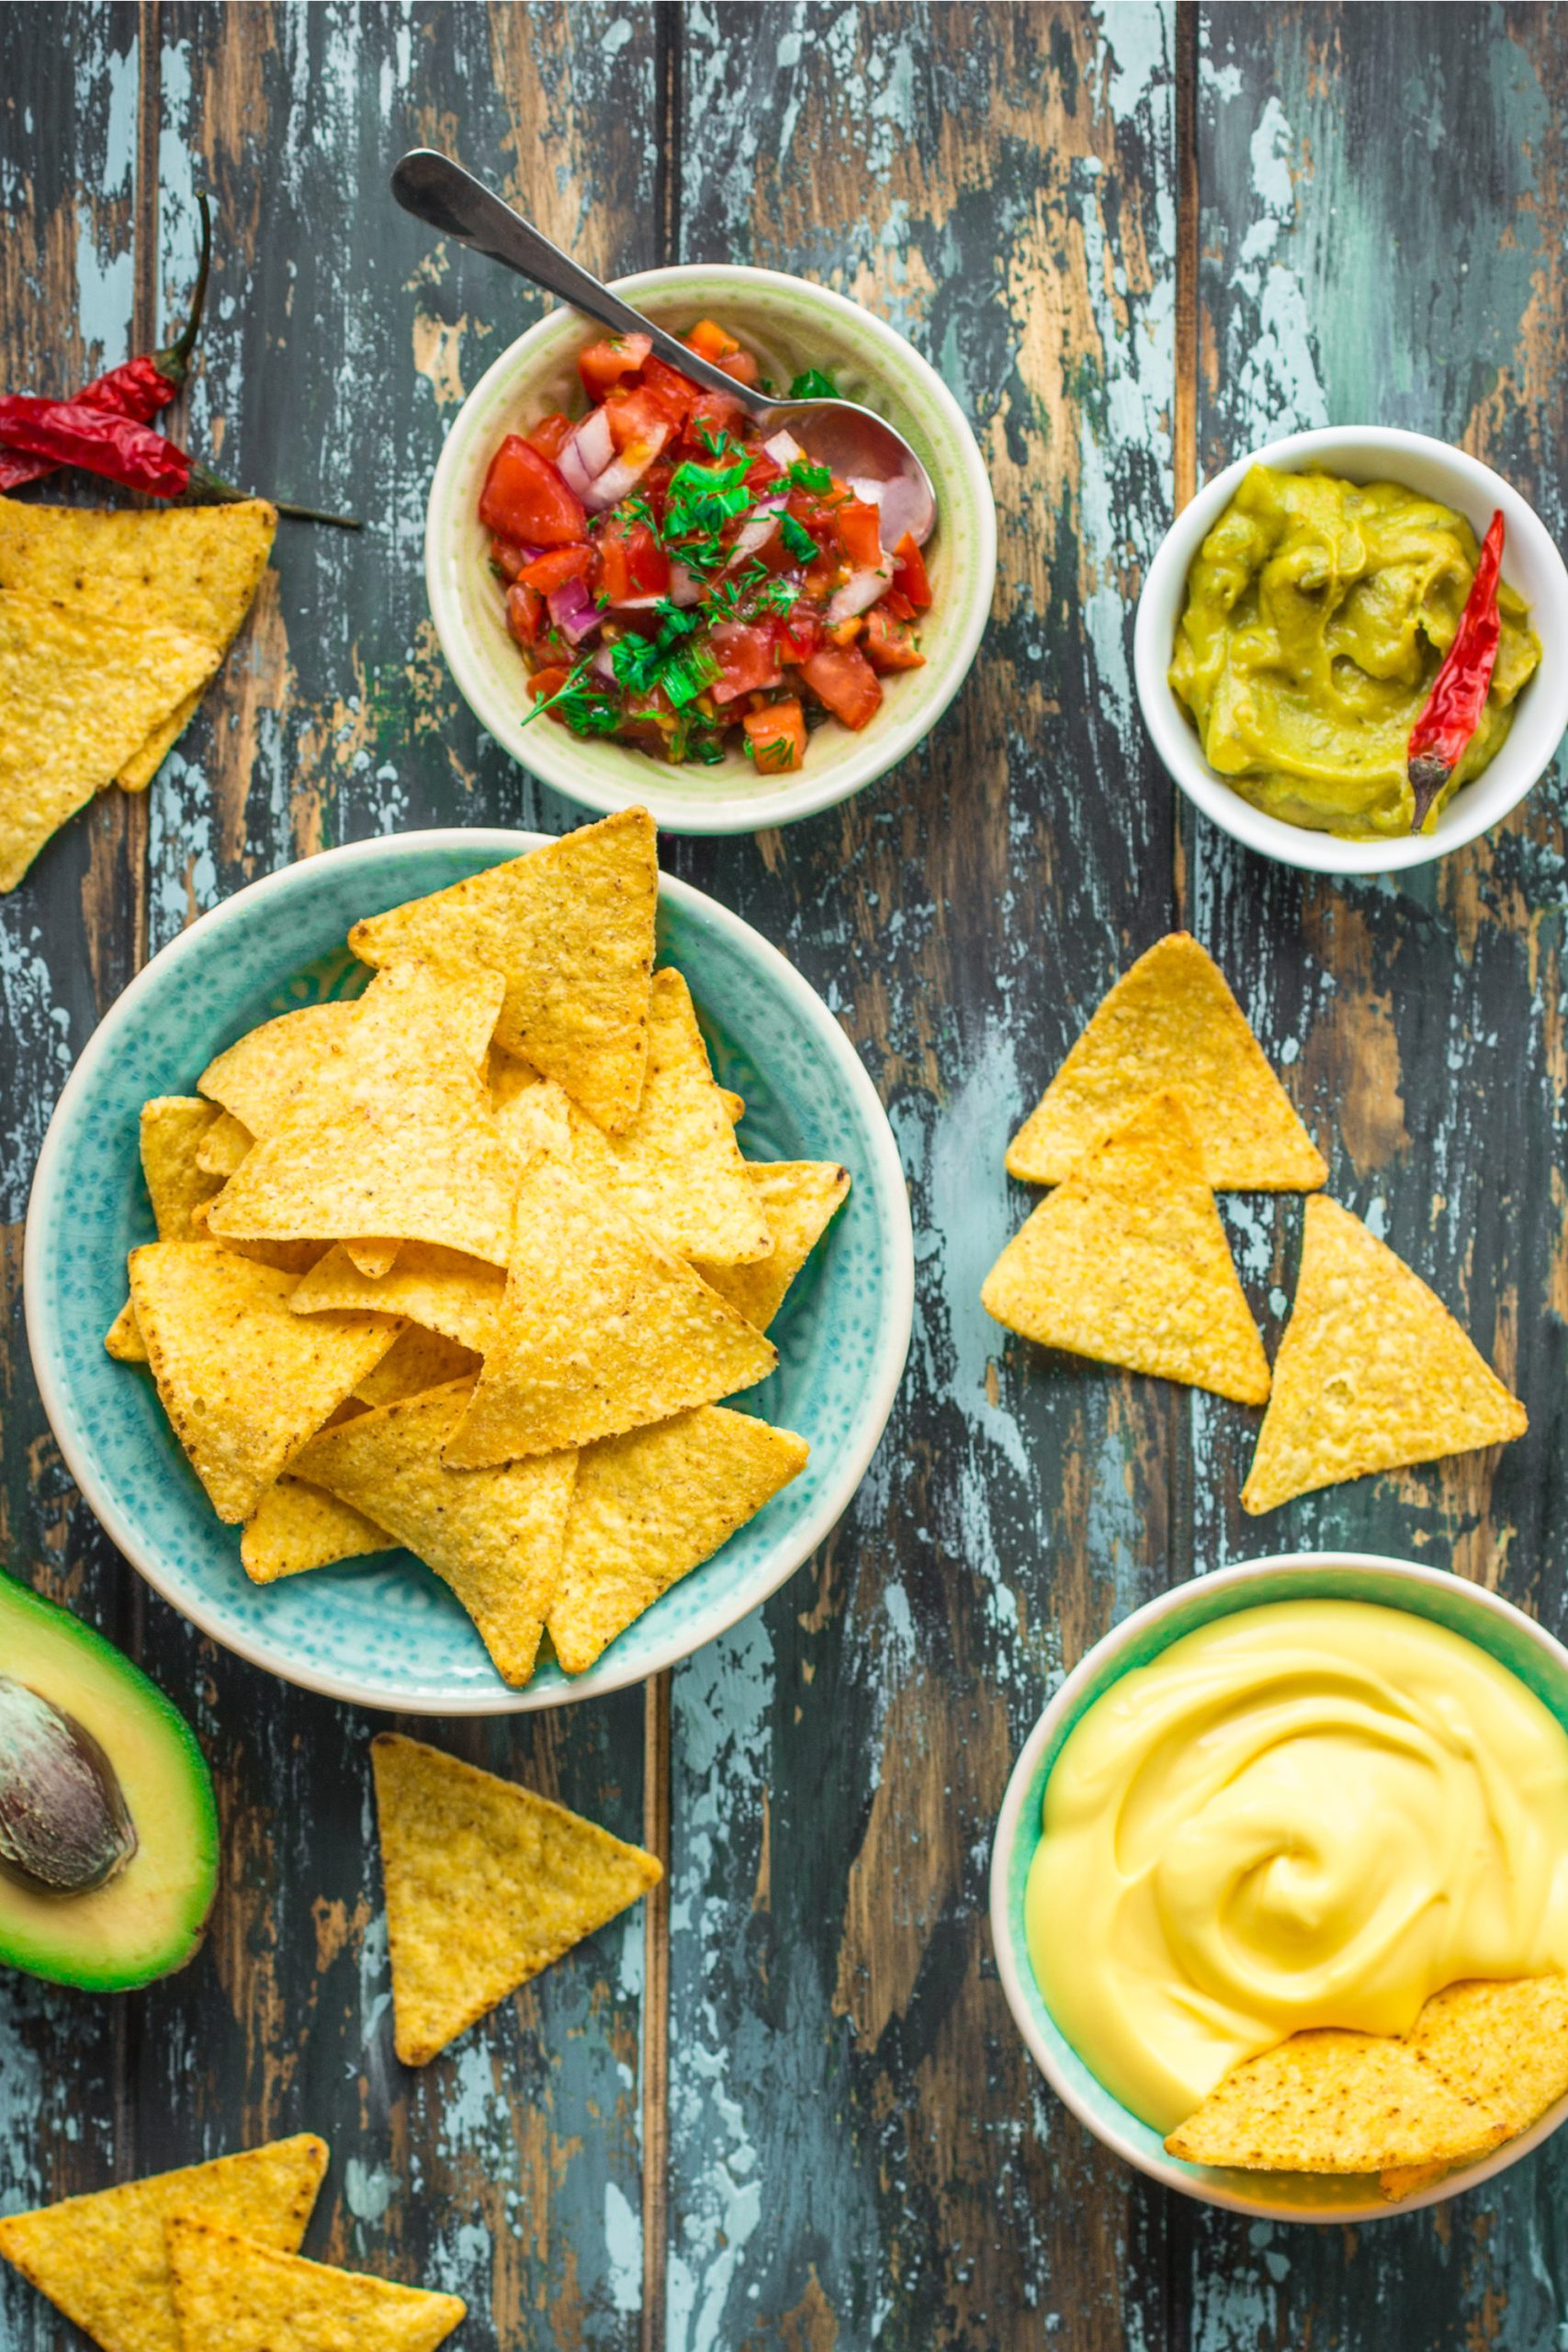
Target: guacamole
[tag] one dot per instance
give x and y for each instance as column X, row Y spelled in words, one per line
column 1318, row 614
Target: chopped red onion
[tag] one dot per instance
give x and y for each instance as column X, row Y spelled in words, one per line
column 784, row 449
column 758, row 528
column 574, row 611
column 685, row 588
column 901, row 506
column 620, row 478
column 859, row 593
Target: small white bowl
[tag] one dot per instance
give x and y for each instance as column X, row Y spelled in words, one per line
column 792, row 325
column 1493, row 1625
column 1530, row 563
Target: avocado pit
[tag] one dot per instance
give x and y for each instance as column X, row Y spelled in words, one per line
column 64, row 1824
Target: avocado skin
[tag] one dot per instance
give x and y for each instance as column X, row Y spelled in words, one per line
column 151, row 1714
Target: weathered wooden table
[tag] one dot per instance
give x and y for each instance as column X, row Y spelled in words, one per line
column 789, row 2111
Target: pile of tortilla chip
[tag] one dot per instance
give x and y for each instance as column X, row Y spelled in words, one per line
column 468, row 1263
column 205, row 2260
column 1165, row 1098
column 1482, row 2062
column 111, row 624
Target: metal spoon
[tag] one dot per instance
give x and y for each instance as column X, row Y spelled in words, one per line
column 861, row 447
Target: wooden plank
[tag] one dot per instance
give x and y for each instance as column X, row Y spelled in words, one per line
column 860, row 2149
column 1383, row 212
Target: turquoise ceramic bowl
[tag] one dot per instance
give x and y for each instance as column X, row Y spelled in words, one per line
column 792, row 324
column 1492, row 1624
column 386, row 1632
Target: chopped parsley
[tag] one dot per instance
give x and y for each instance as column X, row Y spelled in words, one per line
column 586, row 709
column 814, row 385
column 804, row 475
column 797, row 538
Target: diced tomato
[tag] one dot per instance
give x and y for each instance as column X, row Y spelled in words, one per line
column 711, row 414
column 603, row 364
column 776, row 734
column 893, row 601
column 508, row 557
column 547, row 682
column 634, row 563
column 909, row 573
column 843, row 632
column 742, row 365
column 550, row 435
column 890, row 643
column 524, row 498
column 525, row 609
column 635, row 415
column 844, row 682
column 555, row 567
column 860, row 530
column 674, row 392
column 747, row 654
column 800, row 634
column 763, row 472
column 710, row 341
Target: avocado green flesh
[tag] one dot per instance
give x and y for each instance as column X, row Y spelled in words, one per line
column 148, row 1918
column 1318, row 613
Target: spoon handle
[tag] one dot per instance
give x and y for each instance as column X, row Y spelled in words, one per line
column 450, row 200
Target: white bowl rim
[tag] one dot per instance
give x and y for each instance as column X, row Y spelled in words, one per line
column 889, row 1182
column 1472, row 811
column 1194, row 2180
column 784, row 804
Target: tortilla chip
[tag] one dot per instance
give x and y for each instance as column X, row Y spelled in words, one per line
column 650, row 1507
column 123, row 1338
column 81, row 686
column 1127, row 1263
column 571, row 927
column 233, row 2295
column 101, row 2258
column 143, row 766
column 1334, row 2102
column 534, row 1113
column 1172, row 1022
column 390, row 1136
column 799, row 1198
column 493, row 1537
column 599, row 1329
column 1503, row 2043
column 295, row 1527
column 441, row 1290
column 1398, row 2181
column 734, row 1106
column 243, row 1382
column 254, row 1077
column 676, row 1166
column 173, row 1128
column 223, row 1146
column 1372, row 1372
column 487, row 1884
column 372, row 1259
column 417, row 1360
column 289, row 1257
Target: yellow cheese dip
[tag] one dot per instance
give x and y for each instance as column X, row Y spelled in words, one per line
column 1318, row 613
column 1311, row 1813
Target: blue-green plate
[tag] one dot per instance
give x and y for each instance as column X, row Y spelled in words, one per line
column 386, row 1632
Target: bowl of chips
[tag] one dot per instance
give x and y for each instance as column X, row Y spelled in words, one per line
column 1493, row 2033
column 720, row 1267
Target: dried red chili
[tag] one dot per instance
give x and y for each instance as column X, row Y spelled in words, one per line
column 142, row 387
column 1453, row 708
column 119, row 449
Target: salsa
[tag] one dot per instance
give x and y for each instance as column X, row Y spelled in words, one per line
column 679, row 580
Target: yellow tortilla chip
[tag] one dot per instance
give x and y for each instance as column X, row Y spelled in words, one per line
column 799, row 1198
column 372, row 1259
column 1334, row 2102
column 81, row 686
column 1172, row 1022
column 1398, row 2181
column 417, row 1360
column 143, row 766
column 243, row 1382
column 391, row 1135
column 174, row 1127
column 571, row 927
column 123, row 1338
column 493, row 1537
column 533, row 1113
column 295, row 1527
column 1372, row 1372
column 1126, row 1261
column 599, row 1329
column 441, row 1290
column 289, row 1257
column 734, row 1106
column 1503, row 2043
column 234, row 2295
column 253, row 1078
column 101, row 2258
column 651, row 1506
column 223, row 1146
column 676, row 1166
column 487, row 1884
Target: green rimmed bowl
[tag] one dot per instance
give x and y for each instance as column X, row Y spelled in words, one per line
column 386, row 1633
column 1493, row 1625
column 792, row 325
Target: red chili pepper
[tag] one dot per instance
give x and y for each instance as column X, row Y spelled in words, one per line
column 140, row 389
column 68, row 434
column 1453, row 708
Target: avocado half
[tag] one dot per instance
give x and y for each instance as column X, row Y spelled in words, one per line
column 108, row 1826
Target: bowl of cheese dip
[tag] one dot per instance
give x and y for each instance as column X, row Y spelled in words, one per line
column 1305, row 1792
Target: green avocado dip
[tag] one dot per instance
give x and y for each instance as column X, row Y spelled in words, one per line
column 1318, row 614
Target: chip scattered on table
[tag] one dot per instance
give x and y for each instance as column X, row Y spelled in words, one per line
column 570, row 926
column 1372, row 1372
column 102, row 2260
column 651, row 1506
column 486, row 1884
column 800, row 1199
column 1126, row 1261
column 440, row 1289
column 599, row 1329
column 296, row 1527
column 1171, row 1021
column 234, row 2294
column 1329, row 2100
